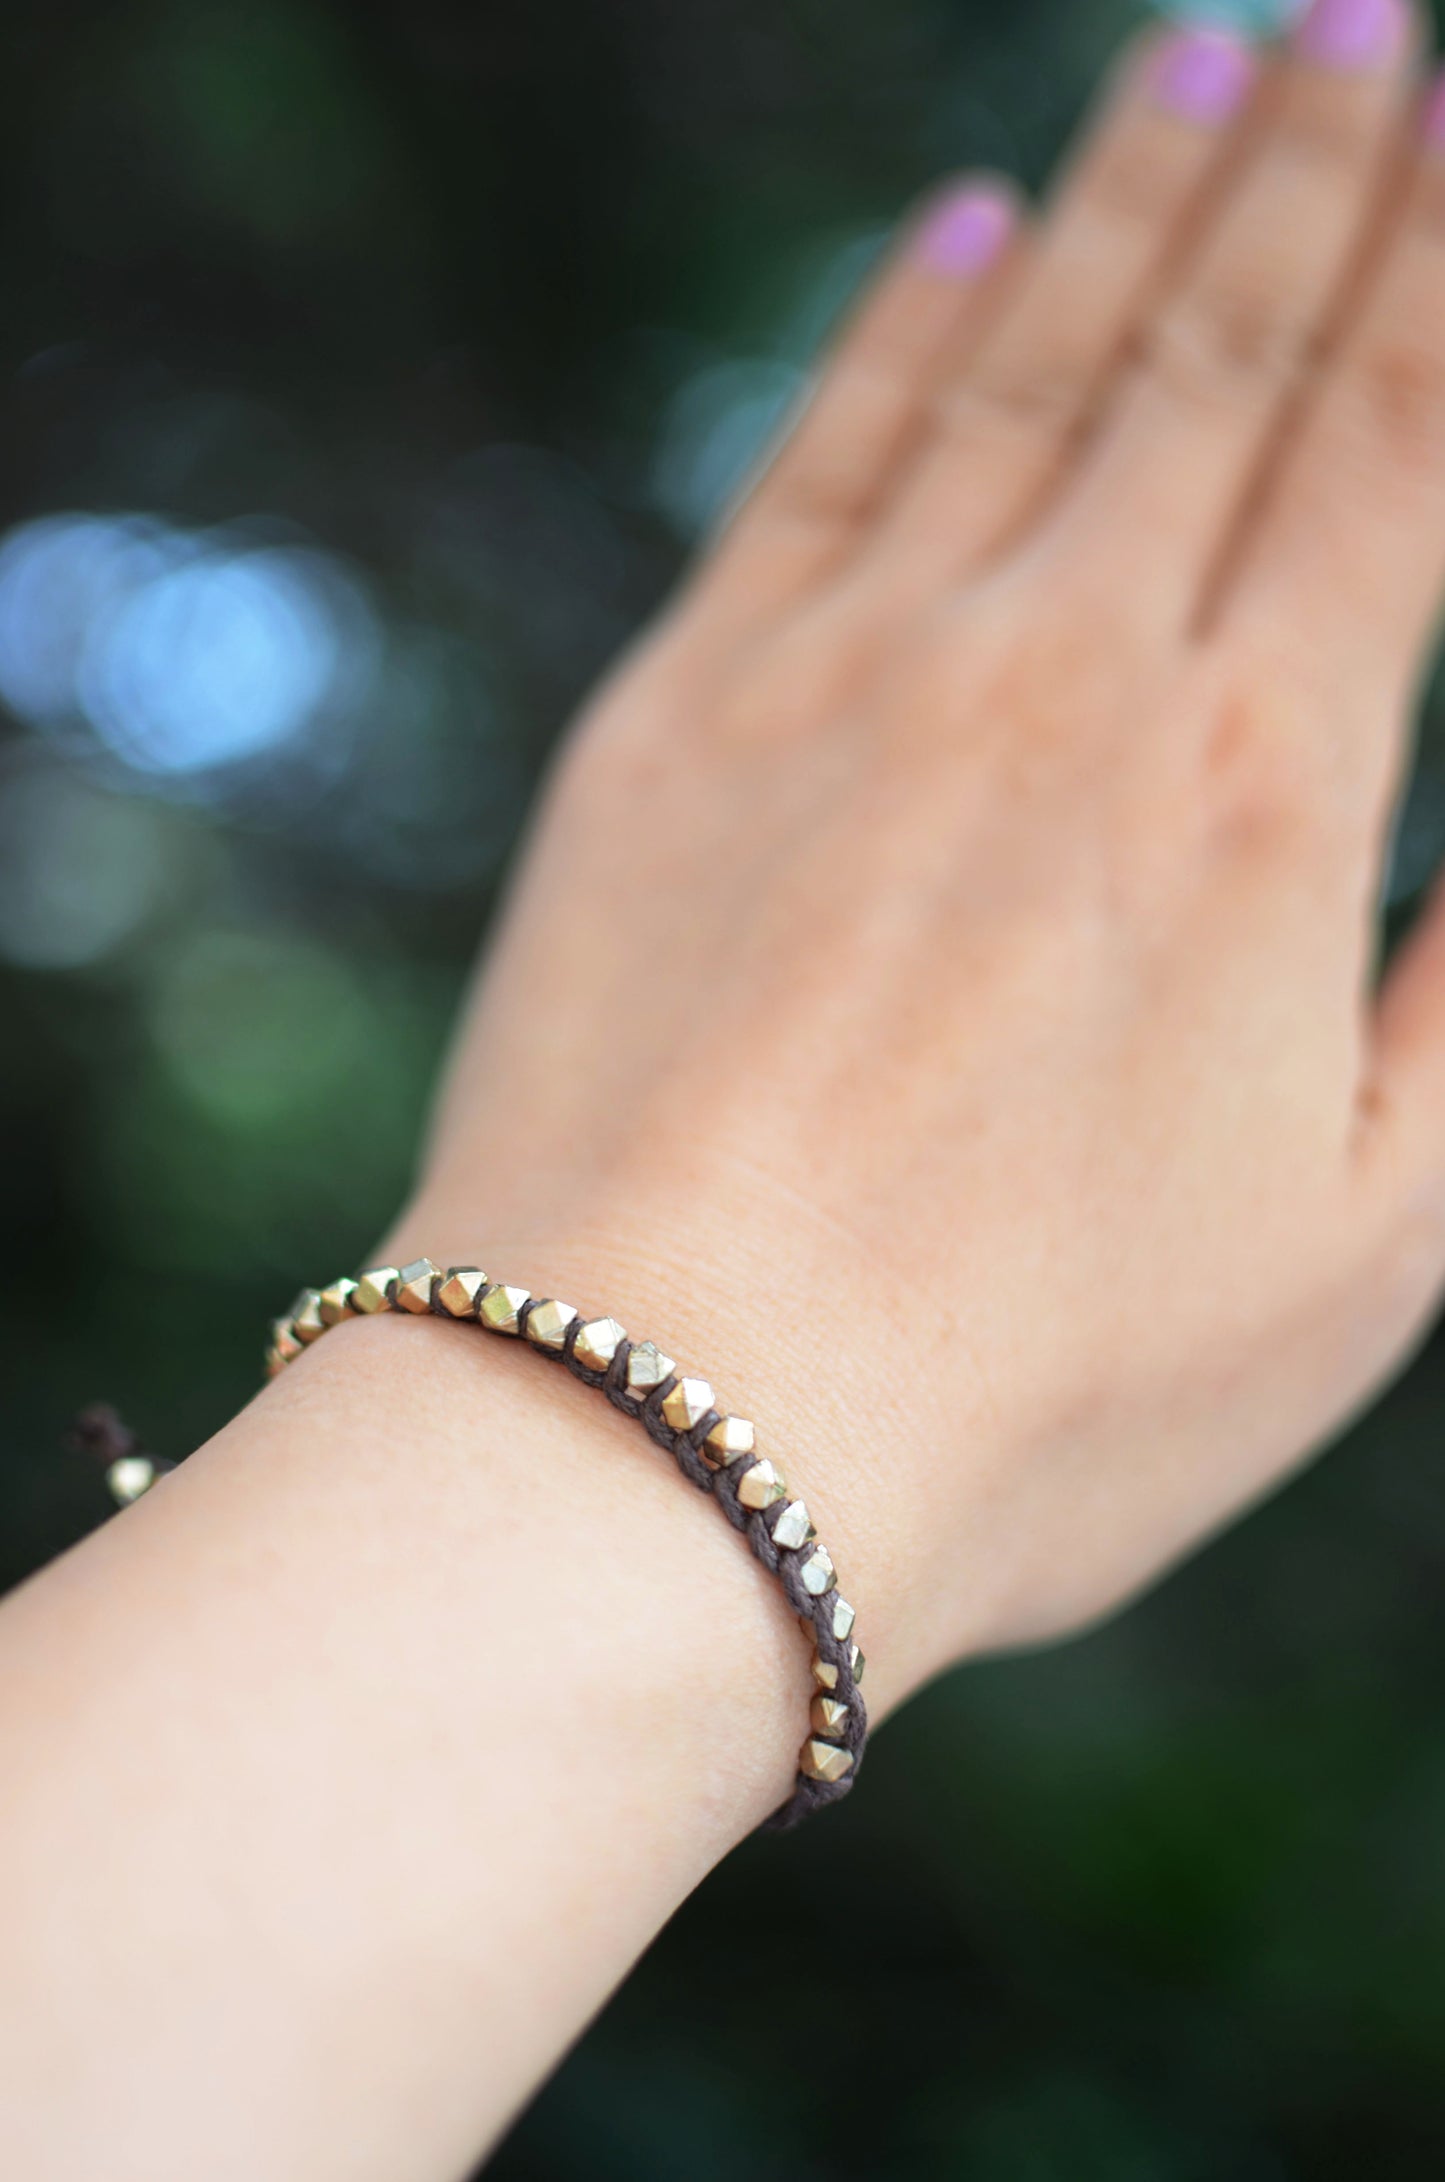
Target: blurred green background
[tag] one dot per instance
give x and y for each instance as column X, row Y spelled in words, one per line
column 371, row 370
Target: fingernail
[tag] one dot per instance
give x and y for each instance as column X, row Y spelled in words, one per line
column 1353, row 33
column 965, row 232
column 1201, row 74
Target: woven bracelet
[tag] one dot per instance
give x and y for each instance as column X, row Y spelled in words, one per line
column 717, row 1452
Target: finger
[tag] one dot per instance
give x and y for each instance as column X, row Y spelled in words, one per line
column 1347, row 558
column 1012, row 410
column 873, row 396
column 1229, row 343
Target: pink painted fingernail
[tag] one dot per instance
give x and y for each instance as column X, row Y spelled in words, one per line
column 1201, row 74
column 1353, row 34
column 965, row 232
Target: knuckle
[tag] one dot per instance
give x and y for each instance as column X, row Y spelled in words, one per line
column 1281, row 793
column 1257, row 761
column 1054, row 698
column 1128, row 176
column 827, row 470
column 1323, row 125
column 1228, row 343
column 1040, row 394
column 1394, row 392
column 821, row 495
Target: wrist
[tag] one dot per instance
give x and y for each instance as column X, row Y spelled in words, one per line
column 611, row 1561
column 820, row 1413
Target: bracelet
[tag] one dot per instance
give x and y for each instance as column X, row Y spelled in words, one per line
column 681, row 1414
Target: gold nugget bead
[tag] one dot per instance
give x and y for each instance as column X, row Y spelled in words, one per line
column 547, row 1324
column 371, row 1291
column 499, row 1307
column 597, row 1343
column 825, row 1674
column 305, row 1314
column 794, row 1526
column 829, row 1716
column 843, row 1619
column 761, row 1486
column 283, row 1341
column 825, row 1761
column 729, row 1440
column 818, row 1572
column 688, row 1403
column 414, row 1285
column 647, row 1367
column 336, row 1302
column 458, row 1293
column 129, row 1476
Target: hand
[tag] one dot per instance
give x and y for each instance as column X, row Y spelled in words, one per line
column 937, row 1003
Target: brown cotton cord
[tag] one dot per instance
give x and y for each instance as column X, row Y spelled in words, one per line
column 99, row 1433
column 130, row 1469
column 783, row 1562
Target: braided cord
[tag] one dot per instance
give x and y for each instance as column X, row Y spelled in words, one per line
column 715, row 1451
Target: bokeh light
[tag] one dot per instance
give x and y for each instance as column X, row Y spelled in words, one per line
column 717, row 425
column 60, row 577
column 256, row 1026
column 1256, row 16
column 185, row 653
column 81, row 870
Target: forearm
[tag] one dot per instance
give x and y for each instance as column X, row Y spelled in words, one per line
column 372, row 1748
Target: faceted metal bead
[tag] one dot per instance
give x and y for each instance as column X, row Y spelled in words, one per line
column 825, row 1674
column 129, row 1476
column 830, row 1717
column 547, row 1324
column 458, row 1293
column 336, row 1302
column 370, row 1294
column 818, row 1573
column 283, row 1341
column 729, row 1440
column 688, row 1403
column 843, row 1619
column 414, row 1285
column 761, row 1486
column 794, row 1526
column 825, row 1761
column 275, row 1363
column 597, row 1343
column 305, row 1315
column 499, row 1307
column 647, row 1367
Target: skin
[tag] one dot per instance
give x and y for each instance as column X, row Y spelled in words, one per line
column 939, row 1004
